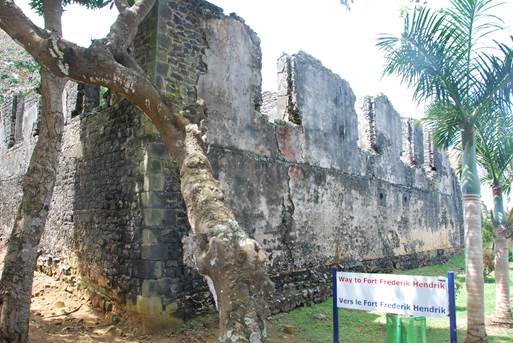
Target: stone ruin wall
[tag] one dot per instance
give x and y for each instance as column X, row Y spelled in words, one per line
column 315, row 181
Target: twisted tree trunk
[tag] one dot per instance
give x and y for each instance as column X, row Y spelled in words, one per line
column 224, row 252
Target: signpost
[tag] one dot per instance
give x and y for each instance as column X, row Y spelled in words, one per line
column 335, row 307
column 401, row 294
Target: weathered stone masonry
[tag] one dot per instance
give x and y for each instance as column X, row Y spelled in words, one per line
column 313, row 180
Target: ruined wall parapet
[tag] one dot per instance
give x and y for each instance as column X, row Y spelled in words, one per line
column 314, row 177
column 312, row 119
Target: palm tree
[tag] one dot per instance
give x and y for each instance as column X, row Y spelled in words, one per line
column 494, row 145
column 449, row 60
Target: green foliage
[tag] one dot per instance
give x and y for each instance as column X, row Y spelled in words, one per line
column 15, row 67
column 11, row 79
column 176, row 95
column 18, row 71
column 28, row 66
column 488, row 226
column 410, row 6
column 488, row 262
column 38, row 5
column 103, row 96
column 449, row 60
column 15, row 72
column 494, row 145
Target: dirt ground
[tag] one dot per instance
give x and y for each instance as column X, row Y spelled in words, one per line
column 59, row 314
column 62, row 314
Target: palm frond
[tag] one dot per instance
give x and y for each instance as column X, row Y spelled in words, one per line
column 488, row 224
column 509, row 218
column 494, row 82
column 425, row 57
column 475, row 21
column 449, row 60
column 494, row 146
column 444, row 122
column 455, row 155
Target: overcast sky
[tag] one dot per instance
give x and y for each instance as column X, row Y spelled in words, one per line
column 343, row 40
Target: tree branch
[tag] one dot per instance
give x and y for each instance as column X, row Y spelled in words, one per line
column 121, row 5
column 19, row 27
column 123, row 30
column 97, row 65
column 224, row 251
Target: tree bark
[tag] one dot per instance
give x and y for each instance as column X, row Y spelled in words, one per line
column 38, row 183
column 225, row 254
column 476, row 332
column 502, row 299
column 20, row 259
column 502, row 304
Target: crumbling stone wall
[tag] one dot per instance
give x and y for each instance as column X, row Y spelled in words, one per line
column 18, row 71
column 18, row 117
column 314, row 180
column 325, row 184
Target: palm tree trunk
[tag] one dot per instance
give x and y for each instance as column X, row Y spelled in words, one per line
column 502, row 305
column 502, row 302
column 476, row 332
column 38, row 183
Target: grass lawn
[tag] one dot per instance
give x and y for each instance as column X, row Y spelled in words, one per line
column 362, row 327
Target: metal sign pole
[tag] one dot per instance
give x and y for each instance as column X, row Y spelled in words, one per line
column 452, row 307
column 335, row 308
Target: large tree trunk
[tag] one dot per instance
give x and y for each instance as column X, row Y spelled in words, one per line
column 474, row 269
column 502, row 305
column 38, row 183
column 22, row 246
column 224, row 253
column 476, row 332
column 233, row 262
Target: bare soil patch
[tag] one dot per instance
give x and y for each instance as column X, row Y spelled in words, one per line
column 61, row 313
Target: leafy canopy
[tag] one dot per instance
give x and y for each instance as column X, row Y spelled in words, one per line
column 38, row 5
column 450, row 61
column 494, row 144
